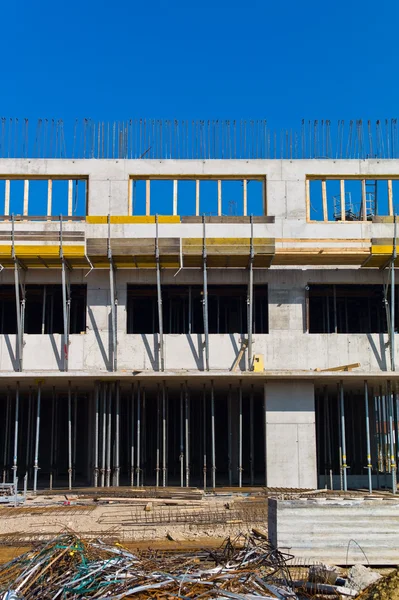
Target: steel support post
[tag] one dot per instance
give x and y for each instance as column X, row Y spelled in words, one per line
column 132, row 437
column 181, row 438
column 15, row 460
column 66, row 300
column 391, row 439
column 75, row 429
column 37, row 439
column 104, row 432
column 204, row 435
column 251, row 436
column 6, row 438
column 342, row 405
column 265, row 431
column 213, row 435
column 250, row 298
column 109, row 434
column 163, row 434
column 20, row 303
column 240, row 435
column 394, row 255
column 369, row 465
column 138, row 444
column 117, row 433
column 157, row 468
column 159, row 299
column 96, row 400
column 187, row 433
column 69, row 435
column 205, row 296
column 52, row 439
column 229, row 436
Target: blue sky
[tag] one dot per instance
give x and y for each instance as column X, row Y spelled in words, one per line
column 282, row 61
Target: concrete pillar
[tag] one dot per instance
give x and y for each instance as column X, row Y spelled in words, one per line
column 290, row 434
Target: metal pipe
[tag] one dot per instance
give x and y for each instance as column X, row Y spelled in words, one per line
column 157, row 469
column 205, row 297
column 132, row 439
column 138, row 435
column 143, row 437
column 109, row 434
column 28, row 433
column 344, row 465
column 213, row 436
column 163, row 434
column 204, row 435
column 229, row 437
column 52, row 438
column 391, row 441
column 265, row 431
column 187, row 434
column 6, row 438
column 69, row 435
column 369, row 465
column 159, row 298
column 394, row 255
column 104, row 432
column 96, row 392
column 36, row 463
column 15, row 460
column 250, row 298
column 75, row 426
column 251, row 436
column 181, row 438
column 117, row 431
column 44, row 310
column 19, row 347
column 113, row 297
column 240, row 469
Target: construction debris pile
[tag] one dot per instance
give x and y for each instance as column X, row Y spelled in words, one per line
column 69, row 567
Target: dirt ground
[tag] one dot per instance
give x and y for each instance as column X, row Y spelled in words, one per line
column 386, row 589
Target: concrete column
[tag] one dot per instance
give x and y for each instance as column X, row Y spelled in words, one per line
column 290, row 434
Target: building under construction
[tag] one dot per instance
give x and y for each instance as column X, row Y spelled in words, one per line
column 192, row 310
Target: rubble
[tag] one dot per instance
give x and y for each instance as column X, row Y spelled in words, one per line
column 360, row 578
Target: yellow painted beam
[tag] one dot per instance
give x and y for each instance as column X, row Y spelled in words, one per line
column 122, row 220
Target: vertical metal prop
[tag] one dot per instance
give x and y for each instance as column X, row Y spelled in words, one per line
column 96, row 400
column 157, row 469
column 6, row 438
column 181, row 457
column 37, row 437
column 250, row 298
column 187, row 433
column 229, row 436
column 163, row 434
column 204, row 435
column 114, row 301
column 391, row 439
column 369, row 465
column 117, row 432
column 104, row 432
column 15, row 460
column 109, row 433
column 205, row 296
column 138, row 435
column 251, row 436
column 69, row 435
column 66, row 302
column 344, row 465
column 213, row 435
column 392, row 340
column 75, row 429
column 20, row 304
column 265, row 431
column 159, row 298
column 132, row 431
column 52, row 440
column 240, row 469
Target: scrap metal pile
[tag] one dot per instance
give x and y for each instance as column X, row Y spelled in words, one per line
column 69, row 567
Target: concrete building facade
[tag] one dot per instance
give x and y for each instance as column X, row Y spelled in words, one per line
column 198, row 322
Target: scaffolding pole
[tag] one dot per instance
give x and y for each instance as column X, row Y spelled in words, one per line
column 117, row 433
column 250, row 298
column 104, row 432
column 69, row 435
column 37, row 438
column 251, row 436
column 229, row 437
column 114, row 300
column 157, row 468
column 205, row 296
column 369, row 465
column 240, row 469
column 343, row 437
column 96, row 400
column 187, row 433
column 265, row 431
column 394, row 255
column 138, row 435
column 75, row 427
column 391, row 439
column 132, row 436
column 20, row 302
column 204, row 435
column 52, row 440
column 163, row 434
column 6, row 436
column 181, row 457
column 15, row 460
column 159, row 298
column 213, row 435
column 66, row 299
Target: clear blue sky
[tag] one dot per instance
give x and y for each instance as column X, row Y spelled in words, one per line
column 282, row 61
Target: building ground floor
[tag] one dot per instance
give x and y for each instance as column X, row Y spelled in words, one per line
column 209, row 430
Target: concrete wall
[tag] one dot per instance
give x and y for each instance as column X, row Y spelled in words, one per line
column 337, row 531
column 290, row 434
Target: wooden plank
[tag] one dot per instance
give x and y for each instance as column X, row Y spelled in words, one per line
column 219, row 197
column 390, row 198
column 147, row 197
column 197, row 197
column 26, row 197
column 340, row 368
column 324, row 199
column 245, row 196
column 364, row 205
column 175, row 196
column 7, row 197
column 49, row 197
column 307, row 192
column 343, row 203
column 102, row 220
column 237, row 361
column 70, row 189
